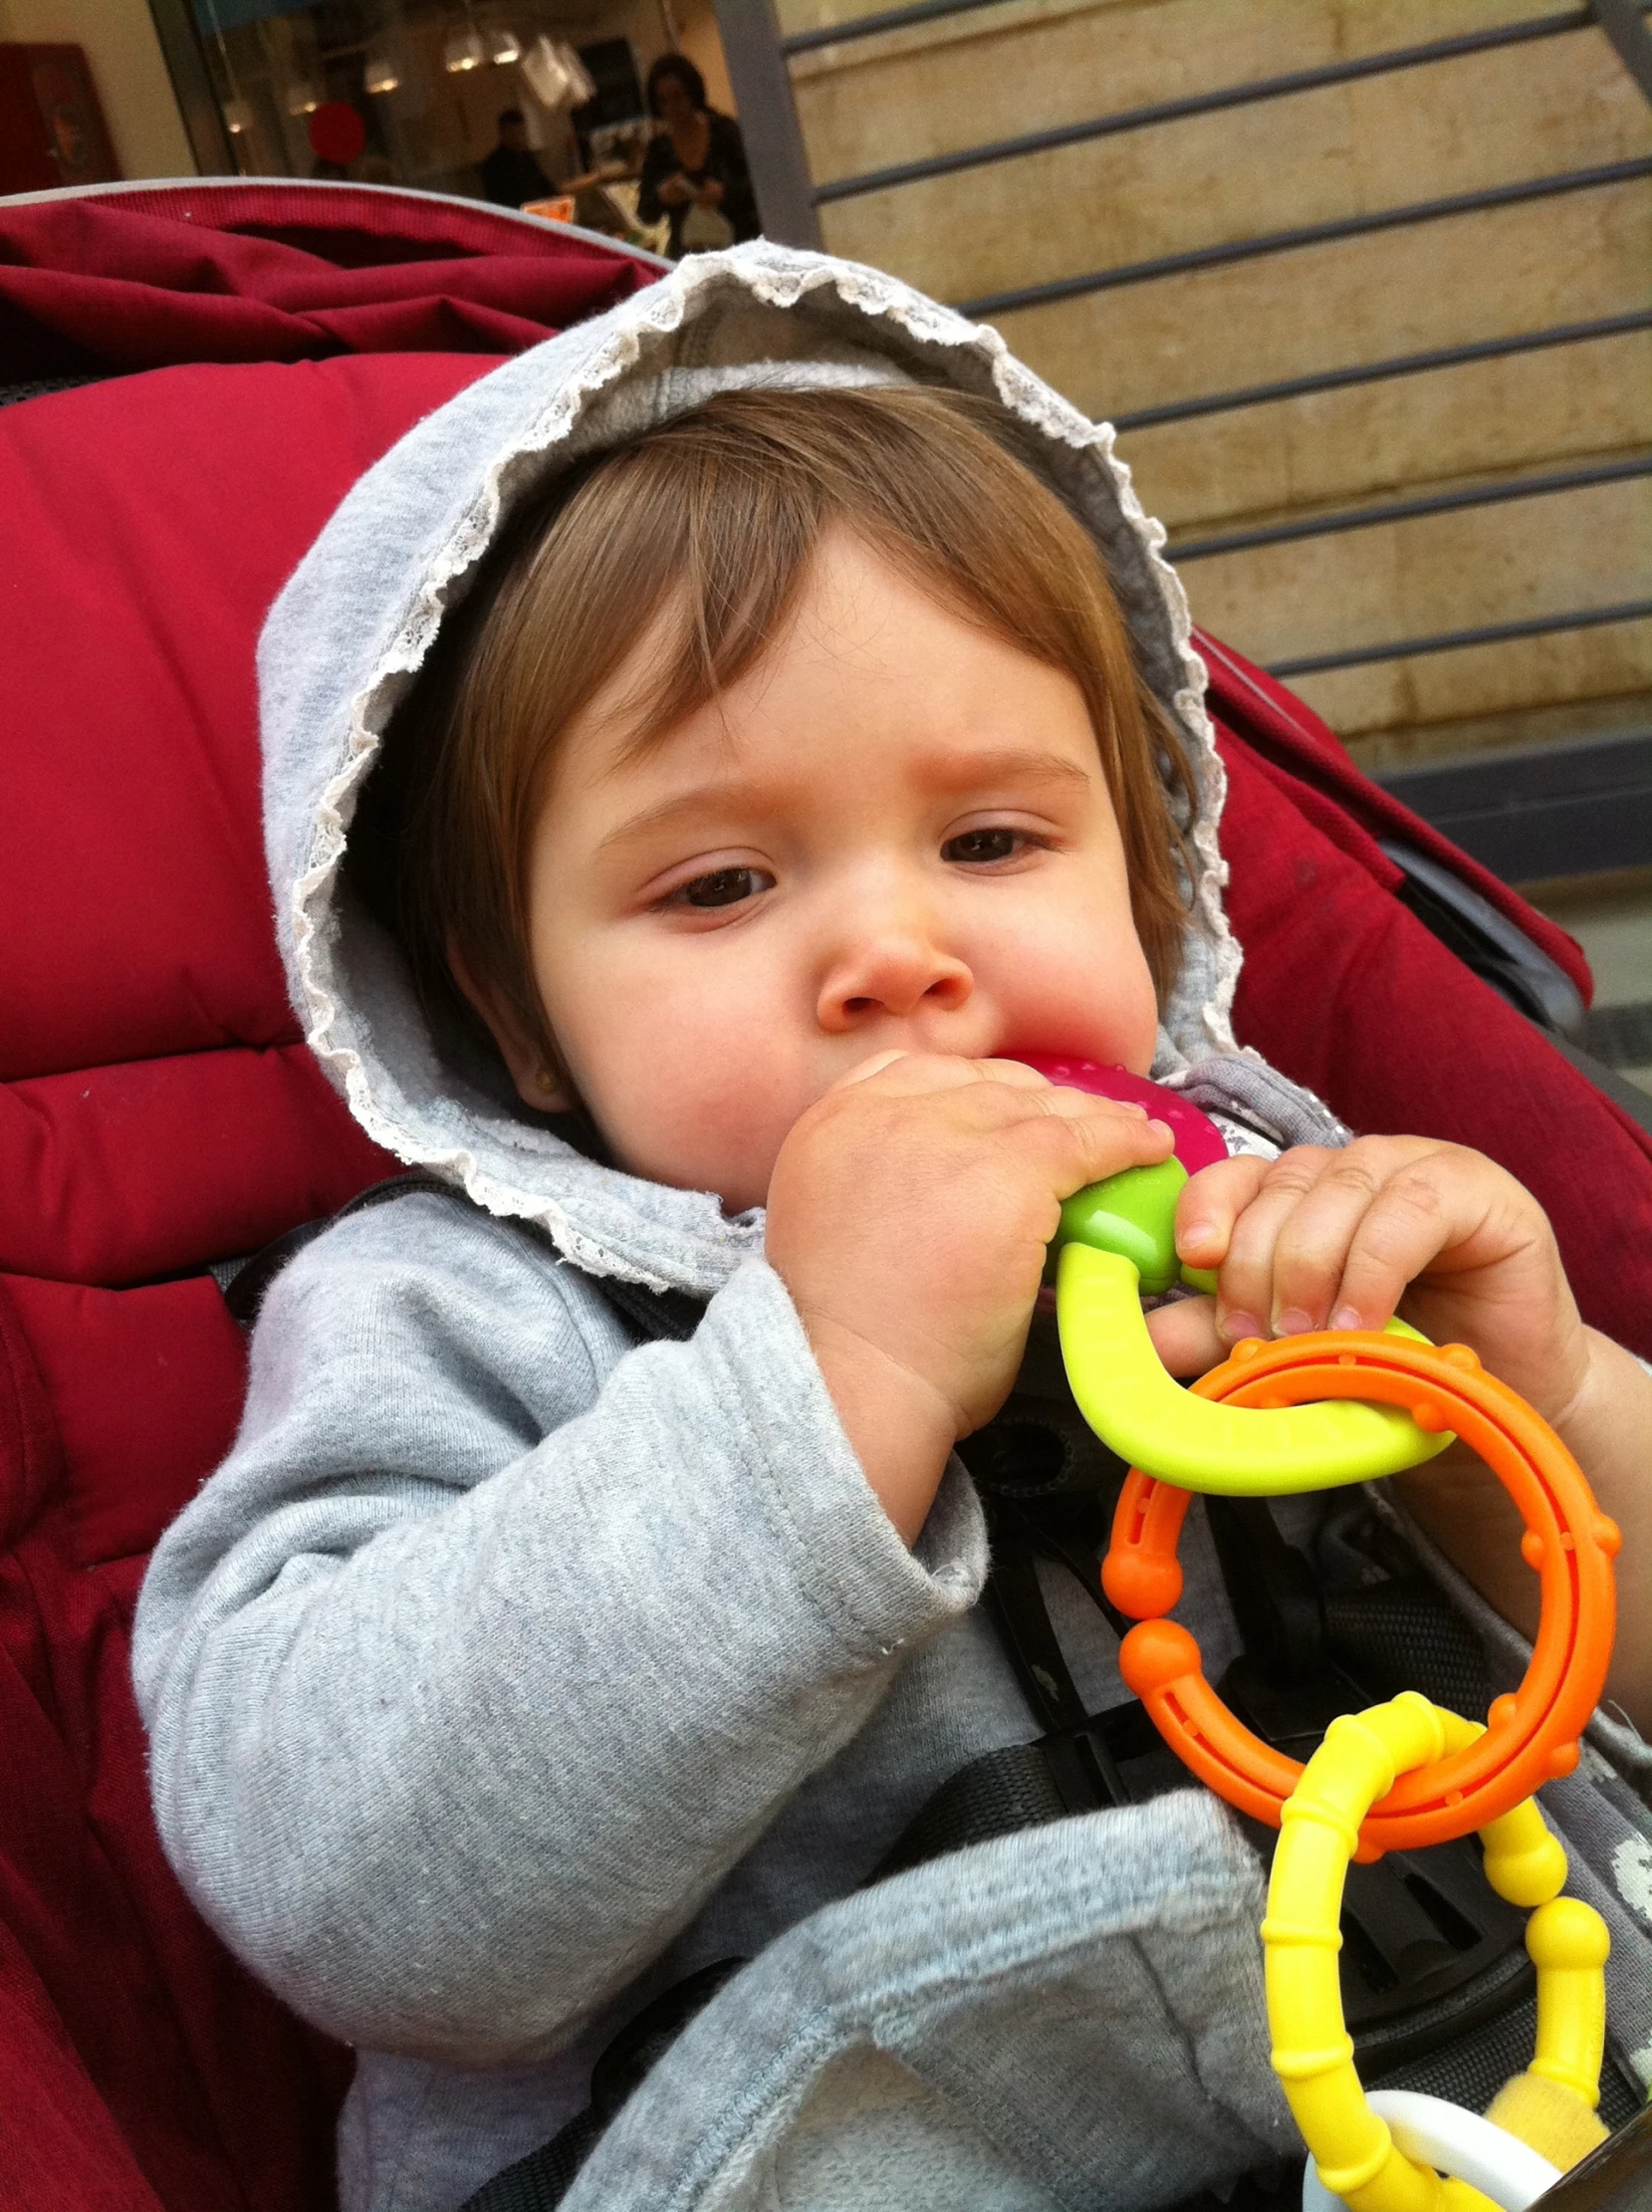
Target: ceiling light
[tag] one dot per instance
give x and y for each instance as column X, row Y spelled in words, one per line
column 381, row 73
column 503, row 47
column 237, row 117
column 303, row 96
column 581, row 85
column 463, row 50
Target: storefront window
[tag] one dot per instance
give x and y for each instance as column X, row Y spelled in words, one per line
column 412, row 92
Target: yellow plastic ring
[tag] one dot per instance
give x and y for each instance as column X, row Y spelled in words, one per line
column 1352, row 2148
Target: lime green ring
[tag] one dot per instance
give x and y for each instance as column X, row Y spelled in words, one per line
column 1116, row 1243
column 1140, row 1413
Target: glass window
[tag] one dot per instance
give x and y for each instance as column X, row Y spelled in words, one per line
column 508, row 99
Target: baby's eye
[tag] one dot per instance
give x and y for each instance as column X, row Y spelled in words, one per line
column 984, row 845
column 723, row 886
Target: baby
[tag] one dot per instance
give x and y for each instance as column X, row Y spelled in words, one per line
column 786, row 772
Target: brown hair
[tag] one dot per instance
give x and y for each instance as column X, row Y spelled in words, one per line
column 707, row 527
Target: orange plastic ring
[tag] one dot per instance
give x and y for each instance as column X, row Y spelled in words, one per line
column 1532, row 1736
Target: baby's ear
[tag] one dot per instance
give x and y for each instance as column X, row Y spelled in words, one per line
column 538, row 1083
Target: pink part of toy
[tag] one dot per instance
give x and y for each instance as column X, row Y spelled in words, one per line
column 1198, row 1139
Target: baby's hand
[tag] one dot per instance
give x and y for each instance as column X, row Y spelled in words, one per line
column 1338, row 1240
column 909, row 1213
column 1321, row 1239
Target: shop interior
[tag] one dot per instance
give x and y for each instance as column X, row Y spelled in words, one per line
column 428, row 81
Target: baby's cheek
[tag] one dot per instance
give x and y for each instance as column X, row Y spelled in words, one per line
column 1081, row 1012
column 702, row 1117
column 1108, row 1006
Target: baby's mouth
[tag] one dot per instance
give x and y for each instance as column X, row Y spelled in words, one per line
column 1199, row 1142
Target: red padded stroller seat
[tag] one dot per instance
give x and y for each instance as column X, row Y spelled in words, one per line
column 258, row 348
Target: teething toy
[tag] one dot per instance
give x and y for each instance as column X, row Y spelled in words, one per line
column 1116, row 1244
column 1309, row 1413
column 1199, row 1142
column 1305, row 1413
column 1192, row 1437
column 1456, row 2141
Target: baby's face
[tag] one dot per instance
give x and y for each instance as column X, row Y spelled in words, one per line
column 893, row 833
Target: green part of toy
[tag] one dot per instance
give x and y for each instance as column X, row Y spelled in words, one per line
column 1146, row 1417
column 1135, row 1215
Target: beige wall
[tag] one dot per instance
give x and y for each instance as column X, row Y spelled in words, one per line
column 1488, row 120
column 127, row 68
column 697, row 36
column 1474, row 123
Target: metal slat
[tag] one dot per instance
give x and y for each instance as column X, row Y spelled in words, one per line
column 1577, row 808
column 886, row 19
column 186, row 65
column 774, row 151
column 1622, row 1035
column 1405, row 510
column 1311, row 234
column 1378, row 371
column 1623, row 23
column 1454, row 641
column 1170, row 111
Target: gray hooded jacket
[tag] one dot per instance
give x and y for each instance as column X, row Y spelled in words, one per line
column 506, row 1673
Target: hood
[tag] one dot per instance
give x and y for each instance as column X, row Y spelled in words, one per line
column 354, row 625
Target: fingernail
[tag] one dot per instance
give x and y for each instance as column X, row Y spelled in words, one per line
column 1164, row 1130
column 1292, row 1323
column 1197, row 1237
column 1237, row 1326
column 1347, row 1316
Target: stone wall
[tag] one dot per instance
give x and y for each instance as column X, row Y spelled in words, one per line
column 1479, row 120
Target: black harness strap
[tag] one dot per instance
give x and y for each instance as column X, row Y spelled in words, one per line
column 650, row 1314
column 246, row 1288
column 540, row 2181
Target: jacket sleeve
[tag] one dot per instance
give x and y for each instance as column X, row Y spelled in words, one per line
column 493, row 1645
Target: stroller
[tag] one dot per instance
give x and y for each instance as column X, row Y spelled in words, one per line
column 199, row 373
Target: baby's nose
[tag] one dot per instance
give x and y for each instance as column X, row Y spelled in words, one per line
column 891, row 972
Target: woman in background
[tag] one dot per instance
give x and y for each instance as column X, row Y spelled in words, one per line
column 694, row 170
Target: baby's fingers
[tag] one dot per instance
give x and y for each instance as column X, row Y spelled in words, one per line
column 1227, row 1217
column 1071, row 1139
column 1247, row 1294
column 1185, row 1337
column 1209, row 1206
column 1333, row 1238
column 1378, row 1217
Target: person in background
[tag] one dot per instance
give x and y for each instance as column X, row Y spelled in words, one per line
column 694, row 170
column 511, row 173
